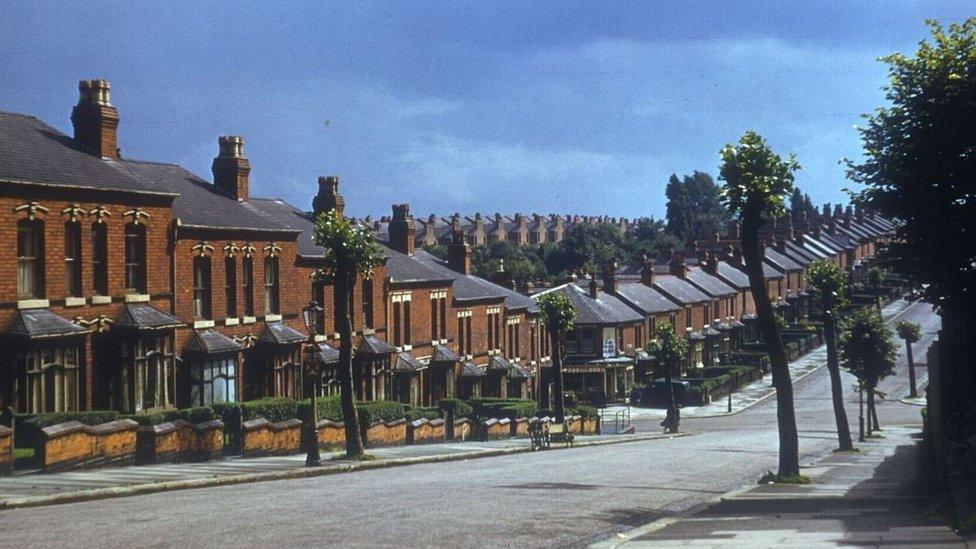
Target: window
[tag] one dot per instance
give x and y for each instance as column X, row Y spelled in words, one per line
column 494, row 329
column 99, row 258
column 230, row 286
column 673, row 319
column 464, row 332
column 401, row 320
column 572, row 342
column 688, row 317
column 72, row 259
column 716, row 310
column 705, row 319
column 49, row 378
column 587, row 342
column 532, row 341
column 247, row 282
column 271, row 285
column 438, row 315
column 732, row 312
column 434, row 320
column 135, row 258
column 30, row 259
column 367, row 303
column 443, row 301
column 406, row 322
column 285, row 367
column 201, row 287
column 213, row 381
column 154, row 365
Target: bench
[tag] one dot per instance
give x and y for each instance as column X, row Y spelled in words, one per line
column 559, row 433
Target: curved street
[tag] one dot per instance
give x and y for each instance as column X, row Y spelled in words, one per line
column 556, row 498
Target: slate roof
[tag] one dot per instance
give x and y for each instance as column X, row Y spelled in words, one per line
column 32, row 151
column 281, row 334
column 371, row 344
column 143, row 316
column 518, row 372
column 605, row 309
column 401, row 267
column 799, row 253
column 199, row 205
column 38, row 323
column 405, row 362
column 645, row 299
column 473, row 288
column 443, row 353
column 679, row 290
column 328, row 354
column 711, row 285
column 732, row 275
column 471, row 369
column 499, row 363
column 782, row 261
column 211, row 342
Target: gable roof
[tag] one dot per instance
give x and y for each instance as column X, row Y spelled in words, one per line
column 143, row 316
column 645, row 299
column 709, row 284
column 36, row 323
column 732, row 275
column 781, row 261
column 280, row 333
column 474, row 288
column 679, row 290
column 211, row 342
column 606, row 309
column 33, row 152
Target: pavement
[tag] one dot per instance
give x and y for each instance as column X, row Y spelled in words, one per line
column 867, row 498
column 757, row 391
column 36, row 489
column 536, row 499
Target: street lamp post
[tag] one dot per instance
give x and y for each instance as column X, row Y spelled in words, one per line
column 310, row 314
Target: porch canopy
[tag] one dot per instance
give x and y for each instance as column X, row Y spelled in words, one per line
column 41, row 323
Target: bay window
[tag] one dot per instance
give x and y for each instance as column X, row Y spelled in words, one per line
column 48, row 378
column 213, row 380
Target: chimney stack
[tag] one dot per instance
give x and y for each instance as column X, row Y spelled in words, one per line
column 503, row 278
column 401, row 229
column 610, row 277
column 781, row 245
column 328, row 198
column 95, row 120
column 459, row 253
column 826, row 211
column 231, row 168
column 677, row 265
column 711, row 264
column 594, row 288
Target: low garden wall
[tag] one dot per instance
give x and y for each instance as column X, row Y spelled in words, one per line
column 426, row 431
column 263, row 438
column 383, row 433
column 494, row 428
column 463, row 429
column 179, row 440
column 332, row 435
column 74, row 444
column 520, row 427
column 6, row 450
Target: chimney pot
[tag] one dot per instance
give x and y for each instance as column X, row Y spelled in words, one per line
column 230, row 168
column 401, row 229
column 95, row 120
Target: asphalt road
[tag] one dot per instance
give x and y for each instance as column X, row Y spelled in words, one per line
column 554, row 498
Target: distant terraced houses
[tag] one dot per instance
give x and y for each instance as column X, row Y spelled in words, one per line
column 139, row 286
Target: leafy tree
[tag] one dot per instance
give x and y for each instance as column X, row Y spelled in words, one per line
column 670, row 349
column 558, row 314
column 651, row 237
column 868, row 352
column 910, row 333
column 801, row 203
column 522, row 263
column 352, row 251
column 694, row 208
column 587, row 248
column 919, row 161
column 756, row 182
column 829, row 283
column 436, row 250
column 874, row 278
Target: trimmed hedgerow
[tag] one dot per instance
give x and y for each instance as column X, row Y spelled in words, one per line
column 498, row 407
column 413, row 413
column 273, row 409
column 527, row 408
column 371, row 411
column 199, row 414
column 461, row 409
column 41, row 421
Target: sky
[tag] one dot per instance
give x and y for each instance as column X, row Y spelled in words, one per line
column 550, row 107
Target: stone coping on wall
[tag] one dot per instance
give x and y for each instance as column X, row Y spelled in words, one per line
column 5, row 431
column 261, row 422
column 62, row 429
column 170, row 426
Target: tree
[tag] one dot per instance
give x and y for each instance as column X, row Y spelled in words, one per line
column 910, row 333
column 867, row 352
column 558, row 314
column 694, row 208
column 874, row 278
column 587, row 248
column 918, row 167
column 829, row 283
column 756, row 182
column 352, row 251
column 670, row 350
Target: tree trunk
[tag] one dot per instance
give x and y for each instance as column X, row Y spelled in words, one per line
column 836, row 388
column 873, row 410
column 872, row 423
column 557, row 373
column 344, row 282
column 672, row 404
column 913, row 388
column 789, row 450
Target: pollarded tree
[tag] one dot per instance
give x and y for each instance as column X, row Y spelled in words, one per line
column 756, row 182
column 910, row 333
column 352, row 251
column 868, row 352
column 670, row 350
column 558, row 314
column 829, row 284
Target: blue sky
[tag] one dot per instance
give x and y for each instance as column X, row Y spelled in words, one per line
column 565, row 107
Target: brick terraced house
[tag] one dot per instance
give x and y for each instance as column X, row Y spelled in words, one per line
column 138, row 286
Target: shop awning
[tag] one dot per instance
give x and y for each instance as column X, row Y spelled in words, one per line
column 143, row 316
column 40, row 323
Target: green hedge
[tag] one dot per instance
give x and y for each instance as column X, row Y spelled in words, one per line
column 29, row 425
column 413, row 413
column 461, row 409
column 583, row 410
column 371, row 411
column 528, row 408
column 502, row 407
column 200, row 414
